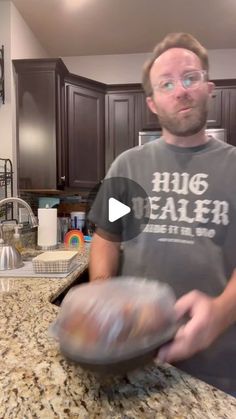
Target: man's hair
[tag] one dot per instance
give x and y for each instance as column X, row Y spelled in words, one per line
column 173, row 40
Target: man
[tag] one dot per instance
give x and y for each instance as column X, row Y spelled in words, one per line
column 190, row 240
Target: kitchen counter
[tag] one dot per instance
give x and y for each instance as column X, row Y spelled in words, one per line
column 36, row 381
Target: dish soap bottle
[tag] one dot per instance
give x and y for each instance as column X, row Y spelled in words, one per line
column 16, row 238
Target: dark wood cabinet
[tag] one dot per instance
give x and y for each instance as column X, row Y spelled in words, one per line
column 215, row 112
column 41, row 157
column 231, row 115
column 123, row 120
column 149, row 120
column 86, row 132
column 222, row 112
column 70, row 129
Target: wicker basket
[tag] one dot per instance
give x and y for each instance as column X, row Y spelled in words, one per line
column 54, row 261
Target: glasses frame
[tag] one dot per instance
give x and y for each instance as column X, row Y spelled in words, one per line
column 203, row 73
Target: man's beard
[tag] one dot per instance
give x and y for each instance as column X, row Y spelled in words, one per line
column 185, row 125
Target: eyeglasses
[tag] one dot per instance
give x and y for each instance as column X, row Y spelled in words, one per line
column 190, row 80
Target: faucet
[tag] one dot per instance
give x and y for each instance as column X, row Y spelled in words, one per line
column 33, row 219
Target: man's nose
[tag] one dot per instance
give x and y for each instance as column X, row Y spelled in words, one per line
column 180, row 90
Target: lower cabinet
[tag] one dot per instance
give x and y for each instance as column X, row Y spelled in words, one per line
column 85, row 135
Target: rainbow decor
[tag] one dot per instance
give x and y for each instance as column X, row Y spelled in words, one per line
column 74, row 238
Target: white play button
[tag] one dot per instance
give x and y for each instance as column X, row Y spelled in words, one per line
column 116, row 210
column 120, row 210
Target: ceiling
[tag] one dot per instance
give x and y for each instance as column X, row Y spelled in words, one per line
column 94, row 27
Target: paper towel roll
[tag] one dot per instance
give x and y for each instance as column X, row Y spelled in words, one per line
column 47, row 227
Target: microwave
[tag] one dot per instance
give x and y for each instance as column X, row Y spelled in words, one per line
column 147, row 136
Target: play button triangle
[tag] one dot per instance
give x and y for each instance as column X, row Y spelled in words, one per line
column 120, row 209
column 116, row 209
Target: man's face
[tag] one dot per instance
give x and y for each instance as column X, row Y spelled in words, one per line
column 182, row 112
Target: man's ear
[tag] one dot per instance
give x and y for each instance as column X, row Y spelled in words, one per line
column 151, row 104
column 211, row 86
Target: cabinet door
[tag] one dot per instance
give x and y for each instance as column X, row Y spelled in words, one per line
column 149, row 120
column 214, row 119
column 231, row 123
column 61, row 153
column 85, row 110
column 40, row 124
column 121, row 124
column 37, row 133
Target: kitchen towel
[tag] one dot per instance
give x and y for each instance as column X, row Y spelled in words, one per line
column 47, row 227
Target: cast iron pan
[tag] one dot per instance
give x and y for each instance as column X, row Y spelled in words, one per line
column 122, row 364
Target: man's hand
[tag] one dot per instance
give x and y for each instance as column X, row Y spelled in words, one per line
column 205, row 325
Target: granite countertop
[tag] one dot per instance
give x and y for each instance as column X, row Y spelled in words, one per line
column 36, row 381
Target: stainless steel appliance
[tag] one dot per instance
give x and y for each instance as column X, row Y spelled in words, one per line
column 146, row 136
column 219, row 133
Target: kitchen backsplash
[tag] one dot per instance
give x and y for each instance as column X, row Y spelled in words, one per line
column 28, row 237
column 64, row 204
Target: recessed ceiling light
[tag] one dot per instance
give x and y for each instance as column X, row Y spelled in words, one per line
column 74, row 4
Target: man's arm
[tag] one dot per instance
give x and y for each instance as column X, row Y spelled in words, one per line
column 209, row 318
column 227, row 302
column 104, row 257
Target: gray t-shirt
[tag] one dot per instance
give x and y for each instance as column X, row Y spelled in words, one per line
column 190, row 239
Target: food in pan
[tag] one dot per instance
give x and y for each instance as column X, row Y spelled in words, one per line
column 114, row 317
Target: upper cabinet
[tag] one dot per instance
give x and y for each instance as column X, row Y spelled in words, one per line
column 60, row 127
column 222, row 108
column 149, row 120
column 70, row 129
column 230, row 114
column 85, row 109
column 41, row 156
column 215, row 112
column 123, row 119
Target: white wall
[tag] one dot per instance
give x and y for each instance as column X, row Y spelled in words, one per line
column 127, row 68
column 19, row 42
column 110, row 69
column 24, row 44
column 222, row 63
